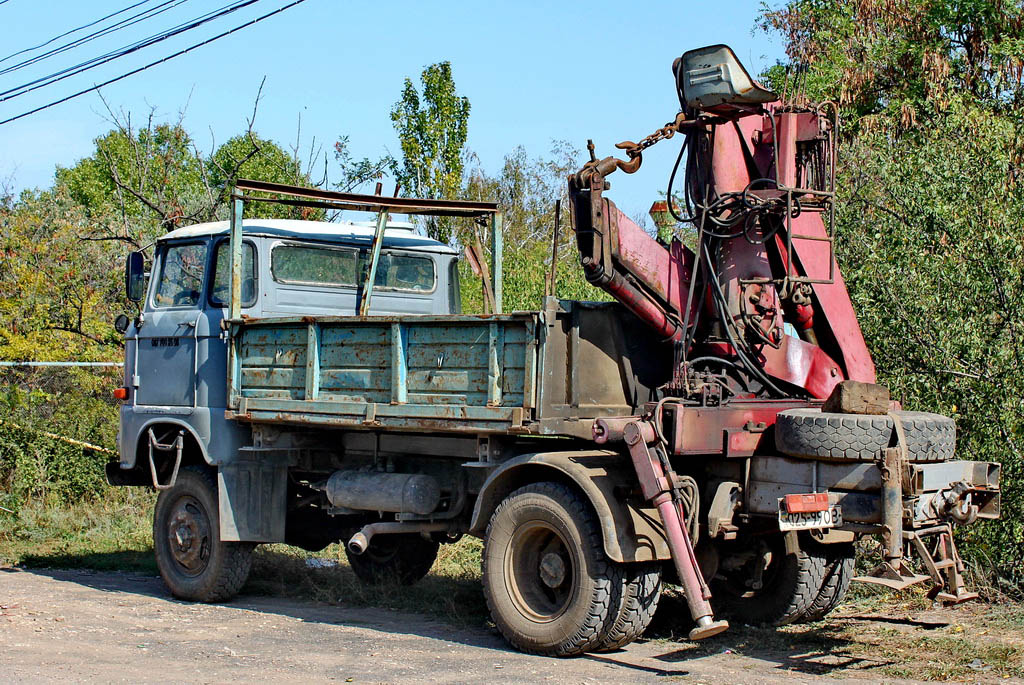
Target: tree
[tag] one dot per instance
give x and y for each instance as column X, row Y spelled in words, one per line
column 356, row 172
column 527, row 190
column 928, row 211
column 251, row 157
column 902, row 58
column 432, row 132
column 139, row 183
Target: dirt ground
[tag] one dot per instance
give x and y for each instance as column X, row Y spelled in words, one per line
column 75, row 625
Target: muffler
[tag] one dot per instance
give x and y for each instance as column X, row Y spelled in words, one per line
column 406, row 493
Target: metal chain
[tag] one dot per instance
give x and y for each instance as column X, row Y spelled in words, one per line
column 633, row 150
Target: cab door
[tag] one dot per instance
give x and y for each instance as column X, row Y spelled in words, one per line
column 167, row 341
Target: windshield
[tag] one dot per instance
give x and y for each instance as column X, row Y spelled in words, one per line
column 181, row 276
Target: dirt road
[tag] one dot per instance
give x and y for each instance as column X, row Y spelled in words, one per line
column 117, row 627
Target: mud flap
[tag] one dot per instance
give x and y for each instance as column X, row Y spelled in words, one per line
column 253, row 497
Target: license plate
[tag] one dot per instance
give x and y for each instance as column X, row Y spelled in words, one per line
column 810, row 520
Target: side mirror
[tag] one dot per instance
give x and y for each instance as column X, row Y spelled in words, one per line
column 121, row 323
column 712, row 79
column 134, row 277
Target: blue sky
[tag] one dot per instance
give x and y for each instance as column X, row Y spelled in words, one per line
column 534, row 72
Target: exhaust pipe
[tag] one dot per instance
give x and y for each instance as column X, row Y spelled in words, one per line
column 360, row 542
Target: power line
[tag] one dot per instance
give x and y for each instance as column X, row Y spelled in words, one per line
column 68, row 33
column 68, row 72
column 153, row 64
column 78, row 42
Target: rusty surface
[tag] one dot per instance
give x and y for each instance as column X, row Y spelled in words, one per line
column 739, row 429
column 371, row 203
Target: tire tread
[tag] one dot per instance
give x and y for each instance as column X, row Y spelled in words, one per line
column 609, row 576
column 811, row 433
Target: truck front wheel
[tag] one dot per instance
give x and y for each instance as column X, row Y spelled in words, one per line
column 549, row 586
column 193, row 561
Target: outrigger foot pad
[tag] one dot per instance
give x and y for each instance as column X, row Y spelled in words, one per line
column 707, row 628
column 893, row 577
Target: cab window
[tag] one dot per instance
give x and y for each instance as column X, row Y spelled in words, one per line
column 341, row 267
column 403, row 272
column 314, row 265
column 181, row 276
column 220, row 292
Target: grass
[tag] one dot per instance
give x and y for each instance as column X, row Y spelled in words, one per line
column 114, row 533
column 875, row 634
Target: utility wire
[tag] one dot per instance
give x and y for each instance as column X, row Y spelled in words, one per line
column 78, row 42
column 153, row 64
column 68, row 33
column 44, row 81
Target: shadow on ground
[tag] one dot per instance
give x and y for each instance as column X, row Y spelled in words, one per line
column 814, row 649
column 453, row 609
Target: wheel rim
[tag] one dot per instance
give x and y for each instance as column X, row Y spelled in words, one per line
column 188, row 535
column 540, row 571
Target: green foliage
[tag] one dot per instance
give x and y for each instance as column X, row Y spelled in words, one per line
column 526, row 191
column 929, row 211
column 137, row 184
column 356, row 172
column 74, row 403
column 58, row 289
column 432, row 131
column 61, row 285
column 251, row 157
column 901, row 58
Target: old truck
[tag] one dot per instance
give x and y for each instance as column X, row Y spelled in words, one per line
column 717, row 425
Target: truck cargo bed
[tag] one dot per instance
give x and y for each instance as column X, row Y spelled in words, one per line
column 543, row 372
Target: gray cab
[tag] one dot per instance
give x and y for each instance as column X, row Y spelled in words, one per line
column 176, row 350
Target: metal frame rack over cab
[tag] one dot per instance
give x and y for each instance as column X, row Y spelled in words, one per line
column 411, row 395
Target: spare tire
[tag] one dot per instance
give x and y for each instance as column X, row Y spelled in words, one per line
column 814, row 434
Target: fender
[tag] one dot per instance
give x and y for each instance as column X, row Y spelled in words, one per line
column 142, row 435
column 631, row 532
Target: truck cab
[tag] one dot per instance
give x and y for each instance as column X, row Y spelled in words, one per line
column 176, row 351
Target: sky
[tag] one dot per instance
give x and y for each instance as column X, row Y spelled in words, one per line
column 534, row 72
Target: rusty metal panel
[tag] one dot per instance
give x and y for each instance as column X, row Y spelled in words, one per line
column 495, row 354
column 928, row 477
column 737, row 430
column 813, row 475
column 595, row 361
column 313, row 362
column 455, row 373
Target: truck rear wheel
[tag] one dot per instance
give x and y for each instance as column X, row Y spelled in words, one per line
column 839, row 570
column 549, row 586
column 194, row 562
column 404, row 558
column 769, row 581
column 639, row 602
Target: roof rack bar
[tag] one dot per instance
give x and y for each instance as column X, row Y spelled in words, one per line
column 375, row 208
column 373, row 203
